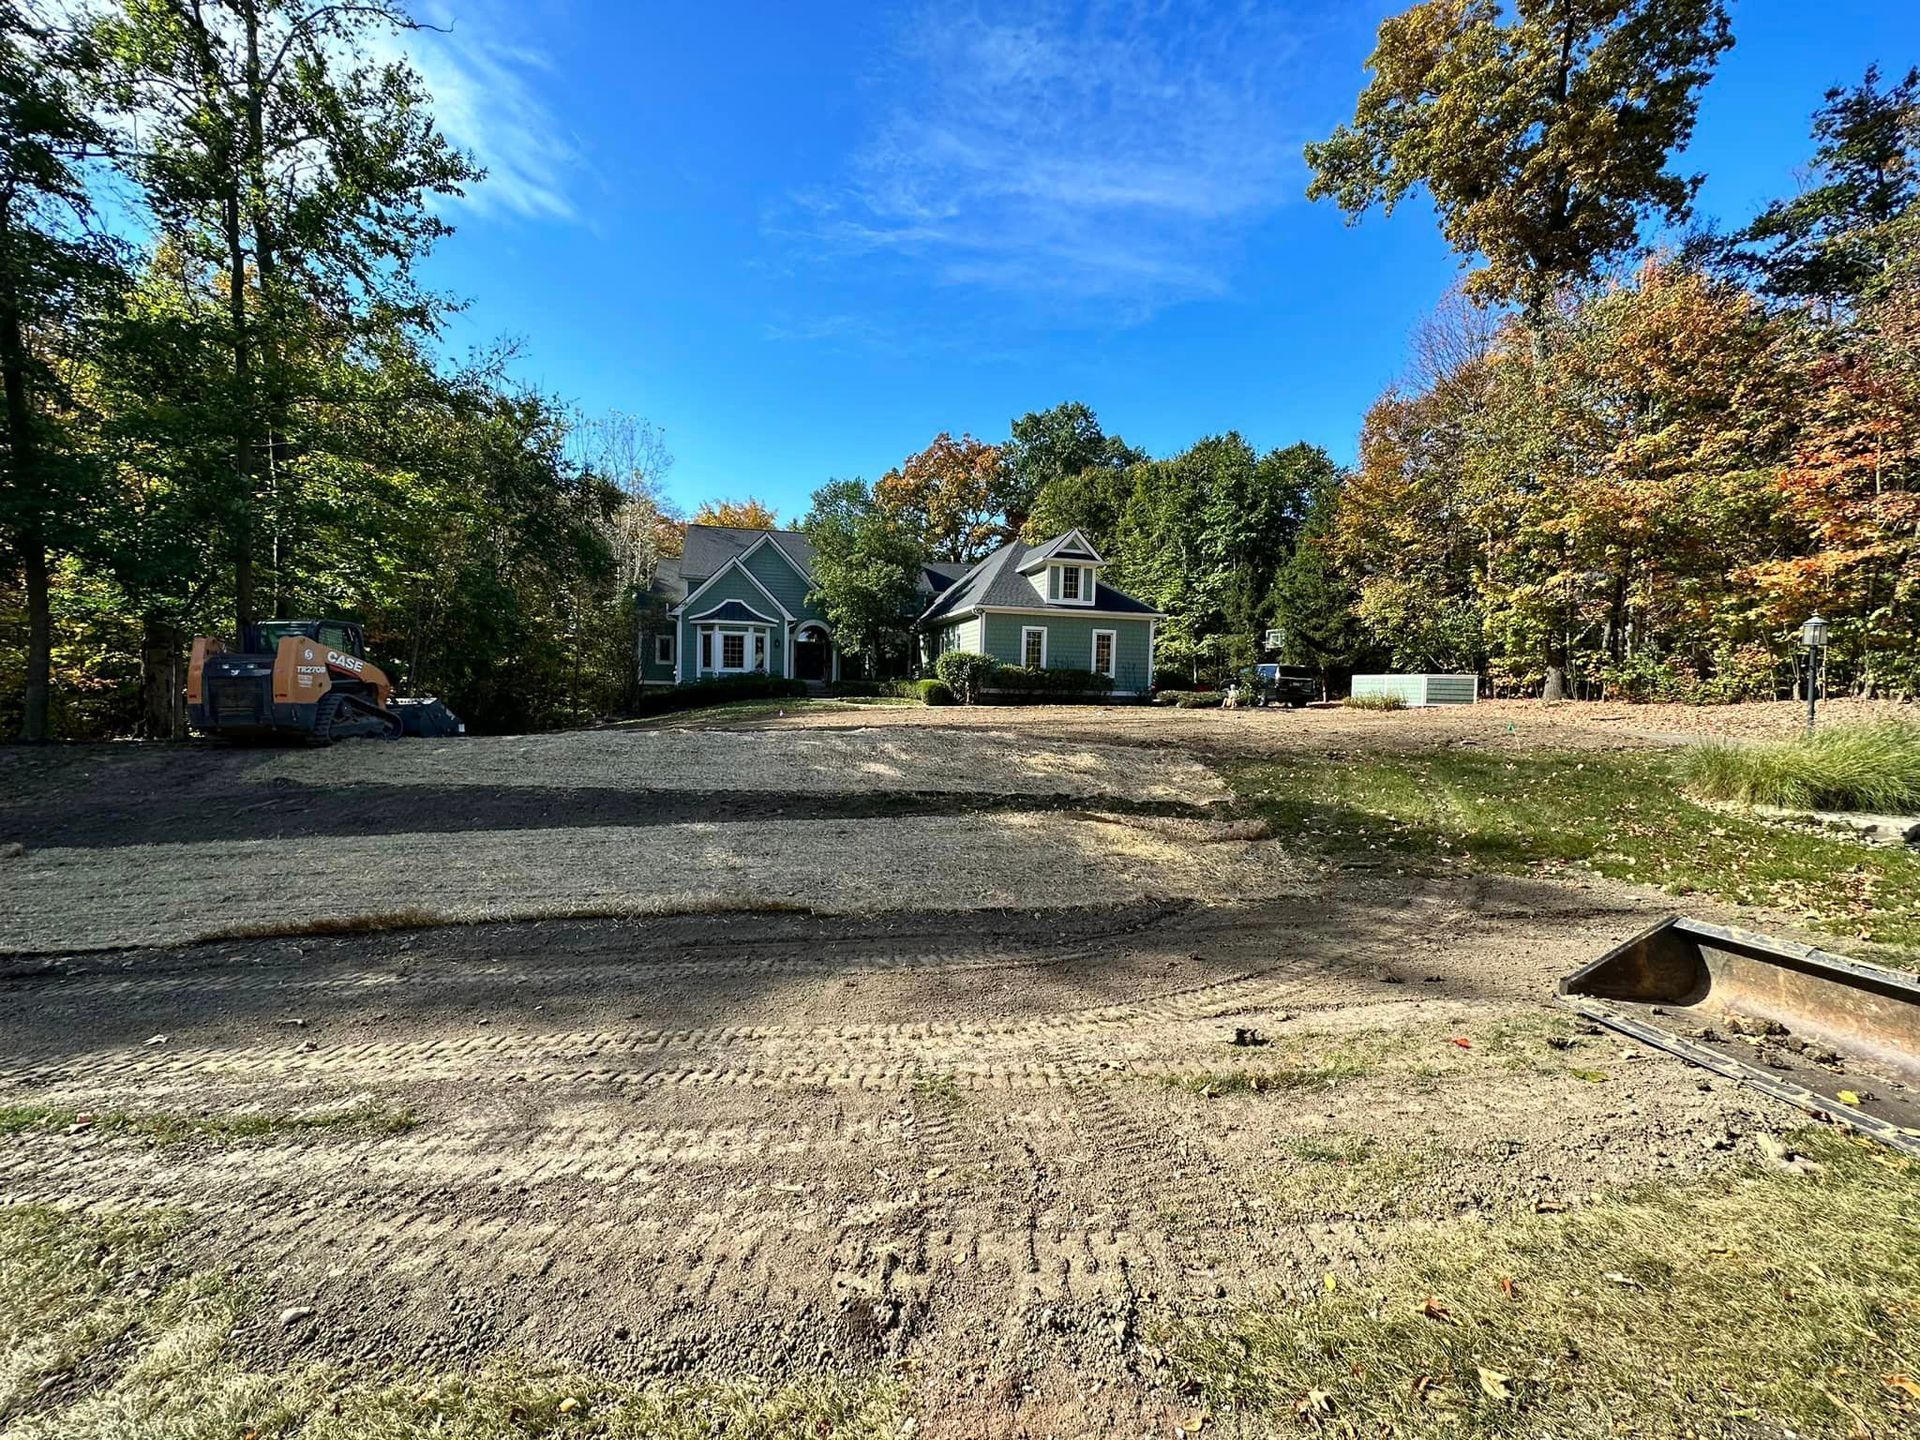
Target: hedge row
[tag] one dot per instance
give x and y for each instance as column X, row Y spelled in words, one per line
column 1189, row 699
column 723, row 690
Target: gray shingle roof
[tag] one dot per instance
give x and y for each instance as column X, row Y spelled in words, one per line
column 709, row 547
column 997, row 581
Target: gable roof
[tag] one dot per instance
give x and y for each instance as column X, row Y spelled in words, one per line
column 997, row 584
column 734, row 562
column 1070, row 546
column 709, row 547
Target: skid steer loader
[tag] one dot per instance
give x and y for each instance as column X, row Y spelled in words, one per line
column 291, row 679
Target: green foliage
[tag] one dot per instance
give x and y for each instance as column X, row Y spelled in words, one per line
column 1035, row 682
column 966, row 673
column 927, row 692
column 866, row 571
column 1375, row 702
column 719, row 690
column 1846, row 767
column 1831, row 241
column 1190, row 699
column 1542, row 133
column 1063, row 447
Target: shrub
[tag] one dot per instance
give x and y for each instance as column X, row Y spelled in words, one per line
column 1850, row 767
column 858, row 687
column 721, row 691
column 1055, row 680
column 927, row 692
column 1375, row 702
column 1190, row 699
column 965, row 673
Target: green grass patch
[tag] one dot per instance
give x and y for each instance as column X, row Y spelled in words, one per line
column 1374, row 702
column 173, row 1128
column 1759, row 1303
column 101, row 1336
column 1850, row 767
column 1338, row 1173
column 1624, row 816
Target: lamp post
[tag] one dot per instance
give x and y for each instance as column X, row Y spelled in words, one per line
column 1813, row 635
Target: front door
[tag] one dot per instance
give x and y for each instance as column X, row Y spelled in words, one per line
column 812, row 657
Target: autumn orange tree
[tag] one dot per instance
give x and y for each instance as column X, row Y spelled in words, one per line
column 949, row 497
column 747, row 514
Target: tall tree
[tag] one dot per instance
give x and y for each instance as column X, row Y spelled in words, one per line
column 275, row 146
column 747, row 514
column 1053, row 445
column 53, row 268
column 948, row 497
column 1828, row 244
column 1541, row 128
column 867, row 568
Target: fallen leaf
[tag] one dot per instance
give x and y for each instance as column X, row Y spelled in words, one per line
column 1436, row 1309
column 1331, row 1283
column 1902, row 1382
column 1848, row 1097
column 1315, row 1402
column 1506, row 1287
column 1463, row 1042
column 1495, row 1385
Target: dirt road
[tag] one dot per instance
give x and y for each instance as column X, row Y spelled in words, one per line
column 998, row 1148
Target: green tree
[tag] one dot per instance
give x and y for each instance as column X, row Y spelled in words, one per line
column 54, row 271
column 1312, row 602
column 277, row 151
column 867, row 570
column 1542, row 130
column 1828, row 244
column 1048, row 447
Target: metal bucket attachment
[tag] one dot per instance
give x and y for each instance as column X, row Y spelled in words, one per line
column 1793, row 1022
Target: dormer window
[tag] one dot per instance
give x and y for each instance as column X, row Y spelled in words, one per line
column 1069, row 584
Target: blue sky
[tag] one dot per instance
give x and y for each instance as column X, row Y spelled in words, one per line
column 802, row 239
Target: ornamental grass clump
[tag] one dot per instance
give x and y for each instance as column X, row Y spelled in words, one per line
column 1850, row 767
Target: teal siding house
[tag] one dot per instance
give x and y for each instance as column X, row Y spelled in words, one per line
column 1045, row 606
column 735, row 603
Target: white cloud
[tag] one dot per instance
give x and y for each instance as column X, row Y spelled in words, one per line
column 1110, row 154
column 485, row 83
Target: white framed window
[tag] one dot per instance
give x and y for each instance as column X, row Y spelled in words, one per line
column 663, row 649
column 1070, row 583
column 733, row 650
column 759, row 649
column 706, row 650
column 1033, row 646
column 1103, row 652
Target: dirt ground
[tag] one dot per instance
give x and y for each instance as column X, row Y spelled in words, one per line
column 991, row 1131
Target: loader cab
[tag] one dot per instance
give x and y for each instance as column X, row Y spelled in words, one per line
column 263, row 637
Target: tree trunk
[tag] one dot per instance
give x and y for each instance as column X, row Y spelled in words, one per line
column 163, row 713
column 32, row 541
column 39, row 691
column 1556, row 686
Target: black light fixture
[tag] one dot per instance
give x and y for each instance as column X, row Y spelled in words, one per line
column 1813, row 635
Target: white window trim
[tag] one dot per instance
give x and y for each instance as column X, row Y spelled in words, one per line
column 1112, row 671
column 663, row 649
column 1084, row 600
column 1041, row 631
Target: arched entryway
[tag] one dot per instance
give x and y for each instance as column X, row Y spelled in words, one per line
column 812, row 653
